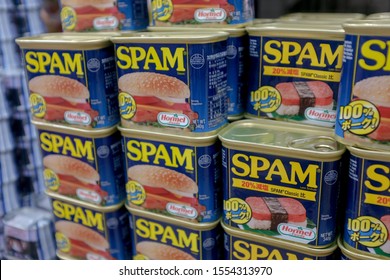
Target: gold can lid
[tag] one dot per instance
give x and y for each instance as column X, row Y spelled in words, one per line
column 370, row 153
column 368, row 27
column 232, row 31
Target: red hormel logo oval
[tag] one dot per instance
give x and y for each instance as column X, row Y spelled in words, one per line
column 90, row 196
column 210, row 15
column 109, row 22
column 320, row 114
column 297, row 231
column 181, row 210
column 173, row 119
column 77, row 118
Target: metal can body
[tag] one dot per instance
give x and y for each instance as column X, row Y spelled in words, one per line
column 71, row 79
column 172, row 80
column 363, row 108
column 243, row 245
column 367, row 219
column 161, row 238
column 83, row 165
column 175, row 175
column 88, row 232
column 282, row 182
column 300, row 85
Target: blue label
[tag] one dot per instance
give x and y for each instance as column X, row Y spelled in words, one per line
column 92, row 72
column 361, row 117
column 198, row 70
column 135, row 14
column 294, row 79
column 283, row 197
column 112, row 227
column 189, row 244
column 367, row 219
column 198, row 167
column 103, row 155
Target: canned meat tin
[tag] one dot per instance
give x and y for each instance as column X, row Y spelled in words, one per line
column 198, row 12
column 281, row 181
column 87, row 15
column 236, row 55
column 172, row 80
column 71, row 79
column 295, row 72
column 334, row 17
column 244, row 245
column 155, row 237
column 173, row 175
column 367, row 218
column 363, row 112
column 83, row 165
column 88, row 232
column 29, row 234
column 348, row 254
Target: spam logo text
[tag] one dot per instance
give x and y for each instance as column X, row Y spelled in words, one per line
column 67, row 145
column 288, row 52
column 378, row 178
column 56, row 62
column 243, row 250
column 288, row 172
column 375, row 55
column 78, row 215
column 168, row 155
column 150, row 58
column 168, row 235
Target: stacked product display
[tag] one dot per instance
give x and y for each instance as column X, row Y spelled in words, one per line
column 22, row 185
column 211, row 135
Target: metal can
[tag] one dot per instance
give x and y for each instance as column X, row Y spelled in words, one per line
column 104, row 16
column 172, row 80
column 236, row 55
column 83, row 165
column 72, row 79
column 281, row 181
column 367, row 215
column 87, row 232
column 172, row 174
column 347, row 254
column 379, row 16
column 334, row 17
column 155, row 237
column 212, row 13
column 244, row 245
column 363, row 117
column 295, row 72
column 29, row 234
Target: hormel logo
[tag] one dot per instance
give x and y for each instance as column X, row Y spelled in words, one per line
column 101, row 23
column 296, row 231
column 89, row 196
column 77, row 117
column 182, row 210
column 319, row 114
column 173, row 119
column 210, row 15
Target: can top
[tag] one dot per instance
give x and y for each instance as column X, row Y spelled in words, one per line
column 26, row 218
column 65, row 41
column 96, row 133
column 355, row 255
column 174, row 136
column 368, row 27
column 370, row 154
column 173, row 220
column 379, row 16
column 280, row 243
column 197, row 37
column 275, row 137
column 299, row 30
column 321, row 16
column 232, row 31
column 72, row 201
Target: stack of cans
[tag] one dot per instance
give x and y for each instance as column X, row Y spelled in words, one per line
column 363, row 125
column 72, row 86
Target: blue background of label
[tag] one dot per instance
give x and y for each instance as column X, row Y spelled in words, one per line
column 327, row 197
column 109, row 168
column 136, row 14
column 102, row 83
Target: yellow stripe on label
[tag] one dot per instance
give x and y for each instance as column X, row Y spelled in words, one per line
column 376, row 199
column 273, row 189
column 302, row 73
